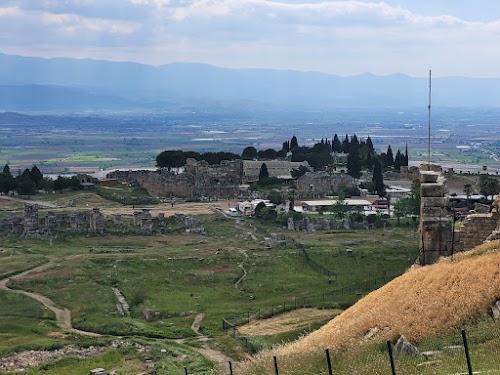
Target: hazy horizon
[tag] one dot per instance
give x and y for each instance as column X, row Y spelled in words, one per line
column 343, row 38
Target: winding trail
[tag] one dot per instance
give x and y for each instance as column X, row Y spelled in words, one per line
column 63, row 315
column 241, row 265
column 216, row 356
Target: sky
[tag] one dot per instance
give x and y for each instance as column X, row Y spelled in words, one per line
column 451, row 37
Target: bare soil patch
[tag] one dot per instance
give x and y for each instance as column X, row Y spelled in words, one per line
column 292, row 321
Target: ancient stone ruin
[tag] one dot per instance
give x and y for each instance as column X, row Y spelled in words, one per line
column 435, row 231
column 91, row 221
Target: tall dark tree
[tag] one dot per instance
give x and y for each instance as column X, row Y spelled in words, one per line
column 263, row 173
column 378, row 178
column 399, row 160
column 268, row 154
column 6, row 169
column 354, row 141
column 170, row 159
column 345, row 145
column 390, row 157
column 286, row 147
column 369, row 144
column 249, row 153
column 406, row 155
column 36, row 176
column 294, row 143
column 336, row 144
column 354, row 163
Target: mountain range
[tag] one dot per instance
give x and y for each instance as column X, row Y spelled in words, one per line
column 69, row 85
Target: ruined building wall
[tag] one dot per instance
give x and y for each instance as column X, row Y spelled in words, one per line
column 475, row 229
column 435, row 231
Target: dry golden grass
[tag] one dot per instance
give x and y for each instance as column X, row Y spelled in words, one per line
column 420, row 304
column 293, row 320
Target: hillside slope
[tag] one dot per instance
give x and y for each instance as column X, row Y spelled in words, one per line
column 420, row 304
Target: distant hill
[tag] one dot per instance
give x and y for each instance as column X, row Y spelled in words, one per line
column 29, row 83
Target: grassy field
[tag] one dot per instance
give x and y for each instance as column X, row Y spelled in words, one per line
column 428, row 305
column 221, row 273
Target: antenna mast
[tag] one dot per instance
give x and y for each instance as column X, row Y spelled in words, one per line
column 429, row 125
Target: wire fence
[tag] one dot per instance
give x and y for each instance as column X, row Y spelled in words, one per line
column 339, row 297
column 454, row 355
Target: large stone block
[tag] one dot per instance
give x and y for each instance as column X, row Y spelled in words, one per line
column 434, row 202
column 432, row 190
column 429, row 177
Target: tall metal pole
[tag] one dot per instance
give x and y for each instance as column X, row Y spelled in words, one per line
column 429, row 125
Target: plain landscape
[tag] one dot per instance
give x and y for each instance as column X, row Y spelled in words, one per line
column 196, row 267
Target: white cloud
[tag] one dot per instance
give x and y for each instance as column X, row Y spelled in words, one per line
column 344, row 37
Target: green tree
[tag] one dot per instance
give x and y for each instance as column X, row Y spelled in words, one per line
column 275, row 197
column 390, row 157
column 36, row 176
column 488, row 186
column 249, row 153
column 378, row 178
column 336, row 144
column 25, row 186
column 399, row 161
column 171, row 159
column 294, row 143
column 354, row 163
column 263, row 173
column 6, row 169
column 340, row 208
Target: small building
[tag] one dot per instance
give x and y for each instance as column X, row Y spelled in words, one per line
column 318, row 205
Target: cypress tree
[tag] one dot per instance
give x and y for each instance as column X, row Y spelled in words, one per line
column 406, row 155
column 294, row 143
column 345, row 145
column 354, row 162
column 390, row 157
column 378, row 178
column 336, row 144
column 263, row 173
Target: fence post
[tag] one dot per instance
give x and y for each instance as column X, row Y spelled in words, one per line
column 230, row 368
column 185, row 371
column 391, row 357
column 234, row 331
column 329, row 362
column 276, row 366
column 223, row 325
column 467, row 355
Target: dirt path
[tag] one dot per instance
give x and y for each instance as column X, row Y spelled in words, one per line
column 24, row 201
column 241, row 265
column 63, row 315
column 217, row 357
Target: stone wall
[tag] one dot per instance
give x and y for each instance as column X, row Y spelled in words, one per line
column 435, row 223
column 92, row 221
column 476, row 229
column 310, row 225
column 319, row 184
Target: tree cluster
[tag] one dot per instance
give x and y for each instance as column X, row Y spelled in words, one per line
column 30, row 181
column 177, row 158
column 488, row 186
